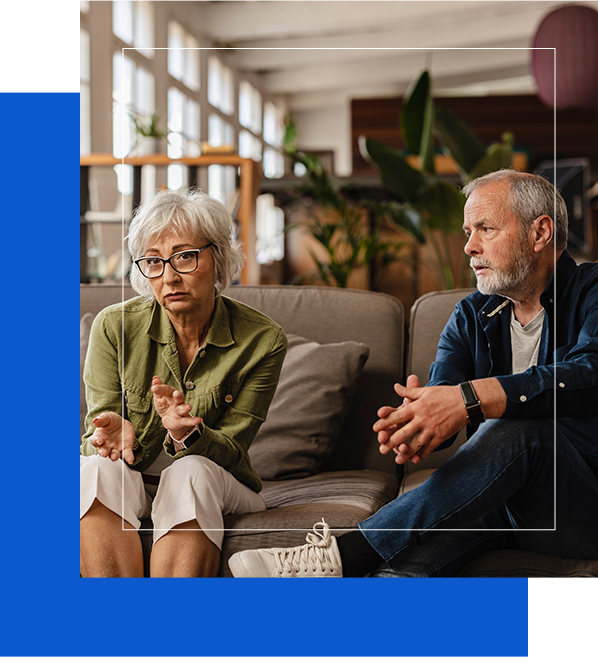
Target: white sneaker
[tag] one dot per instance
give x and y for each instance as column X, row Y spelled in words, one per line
column 318, row 558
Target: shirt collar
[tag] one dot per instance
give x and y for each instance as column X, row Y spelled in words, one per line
column 219, row 334
column 564, row 267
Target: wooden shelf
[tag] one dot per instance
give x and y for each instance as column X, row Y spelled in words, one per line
column 249, row 190
column 445, row 165
column 159, row 159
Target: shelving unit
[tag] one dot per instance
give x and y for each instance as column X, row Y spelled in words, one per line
column 245, row 215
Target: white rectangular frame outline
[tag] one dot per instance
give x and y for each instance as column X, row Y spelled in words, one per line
column 336, row 529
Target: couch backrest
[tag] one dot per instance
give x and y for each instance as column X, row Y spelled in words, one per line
column 325, row 315
column 428, row 316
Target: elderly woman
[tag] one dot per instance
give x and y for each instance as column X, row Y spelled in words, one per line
column 178, row 381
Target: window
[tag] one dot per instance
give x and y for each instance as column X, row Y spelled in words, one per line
column 133, row 23
column 273, row 164
column 122, row 20
column 273, row 124
column 250, row 107
column 183, row 125
column 221, row 179
column 84, row 98
column 221, row 88
column 144, row 28
column 250, row 146
column 220, row 133
column 269, row 230
column 133, row 94
column 183, row 56
column 183, row 133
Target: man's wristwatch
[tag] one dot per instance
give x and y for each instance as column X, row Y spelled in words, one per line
column 473, row 406
column 188, row 439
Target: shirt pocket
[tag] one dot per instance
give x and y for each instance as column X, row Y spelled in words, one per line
column 218, row 399
column 140, row 412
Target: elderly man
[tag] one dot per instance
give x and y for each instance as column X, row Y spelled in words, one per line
column 528, row 337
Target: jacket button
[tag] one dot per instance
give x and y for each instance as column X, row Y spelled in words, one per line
column 523, row 398
column 561, row 385
column 202, row 353
column 190, row 385
column 228, row 399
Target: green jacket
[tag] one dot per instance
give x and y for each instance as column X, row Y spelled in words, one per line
column 229, row 384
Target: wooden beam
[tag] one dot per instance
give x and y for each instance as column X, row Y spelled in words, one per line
column 307, row 49
column 395, row 70
column 251, row 20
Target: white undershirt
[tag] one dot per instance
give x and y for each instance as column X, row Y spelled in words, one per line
column 525, row 342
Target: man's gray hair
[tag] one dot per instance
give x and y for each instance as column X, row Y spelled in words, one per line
column 186, row 212
column 530, row 197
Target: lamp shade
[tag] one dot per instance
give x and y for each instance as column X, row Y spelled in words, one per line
column 573, row 31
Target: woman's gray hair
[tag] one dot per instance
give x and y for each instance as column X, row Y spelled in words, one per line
column 186, row 211
column 530, row 197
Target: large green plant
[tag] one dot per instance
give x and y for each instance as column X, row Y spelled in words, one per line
column 351, row 232
column 434, row 207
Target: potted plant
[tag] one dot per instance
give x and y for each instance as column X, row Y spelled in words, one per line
column 353, row 235
column 148, row 133
column 427, row 207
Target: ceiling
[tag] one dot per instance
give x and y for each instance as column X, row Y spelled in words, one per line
column 319, row 53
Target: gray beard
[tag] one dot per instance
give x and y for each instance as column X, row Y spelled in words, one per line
column 506, row 281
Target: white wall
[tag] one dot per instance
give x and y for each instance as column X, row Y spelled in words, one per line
column 327, row 128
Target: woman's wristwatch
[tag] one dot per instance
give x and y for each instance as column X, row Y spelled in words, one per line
column 187, row 440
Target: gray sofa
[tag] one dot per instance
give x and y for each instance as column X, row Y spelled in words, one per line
column 343, row 478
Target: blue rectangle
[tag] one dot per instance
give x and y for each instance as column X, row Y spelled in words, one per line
column 48, row 609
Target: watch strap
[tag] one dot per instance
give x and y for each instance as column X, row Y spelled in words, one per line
column 475, row 415
column 188, row 439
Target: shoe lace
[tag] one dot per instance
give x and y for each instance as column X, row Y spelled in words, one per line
column 312, row 556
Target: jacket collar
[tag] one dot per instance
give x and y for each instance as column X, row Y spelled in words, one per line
column 220, row 335
column 564, row 267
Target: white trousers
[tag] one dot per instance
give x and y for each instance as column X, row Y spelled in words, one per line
column 192, row 488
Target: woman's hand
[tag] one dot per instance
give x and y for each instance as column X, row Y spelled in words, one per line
column 171, row 407
column 114, row 437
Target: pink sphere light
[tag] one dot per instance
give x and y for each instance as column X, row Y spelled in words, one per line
column 573, row 31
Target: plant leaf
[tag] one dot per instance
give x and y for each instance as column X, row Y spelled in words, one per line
column 442, row 206
column 417, row 120
column 408, row 218
column 395, row 172
column 466, row 149
column 498, row 156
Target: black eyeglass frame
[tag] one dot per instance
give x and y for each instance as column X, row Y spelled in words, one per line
column 168, row 260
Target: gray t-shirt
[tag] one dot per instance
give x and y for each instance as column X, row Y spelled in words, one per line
column 525, row 342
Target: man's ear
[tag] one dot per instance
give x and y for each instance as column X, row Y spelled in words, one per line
column 541, row 232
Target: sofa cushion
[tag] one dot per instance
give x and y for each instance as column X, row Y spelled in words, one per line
column 284, row 527
column 317, row 383
column 414, row 480
column 366, row 489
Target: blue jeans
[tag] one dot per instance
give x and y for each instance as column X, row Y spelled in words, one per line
column 501, row 481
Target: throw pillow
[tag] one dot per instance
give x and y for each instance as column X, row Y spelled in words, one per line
column 317, row 383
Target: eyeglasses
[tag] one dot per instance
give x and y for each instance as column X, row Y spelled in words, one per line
column 183, row 262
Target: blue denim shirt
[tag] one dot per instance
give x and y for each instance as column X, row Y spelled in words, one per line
column 476, row 343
